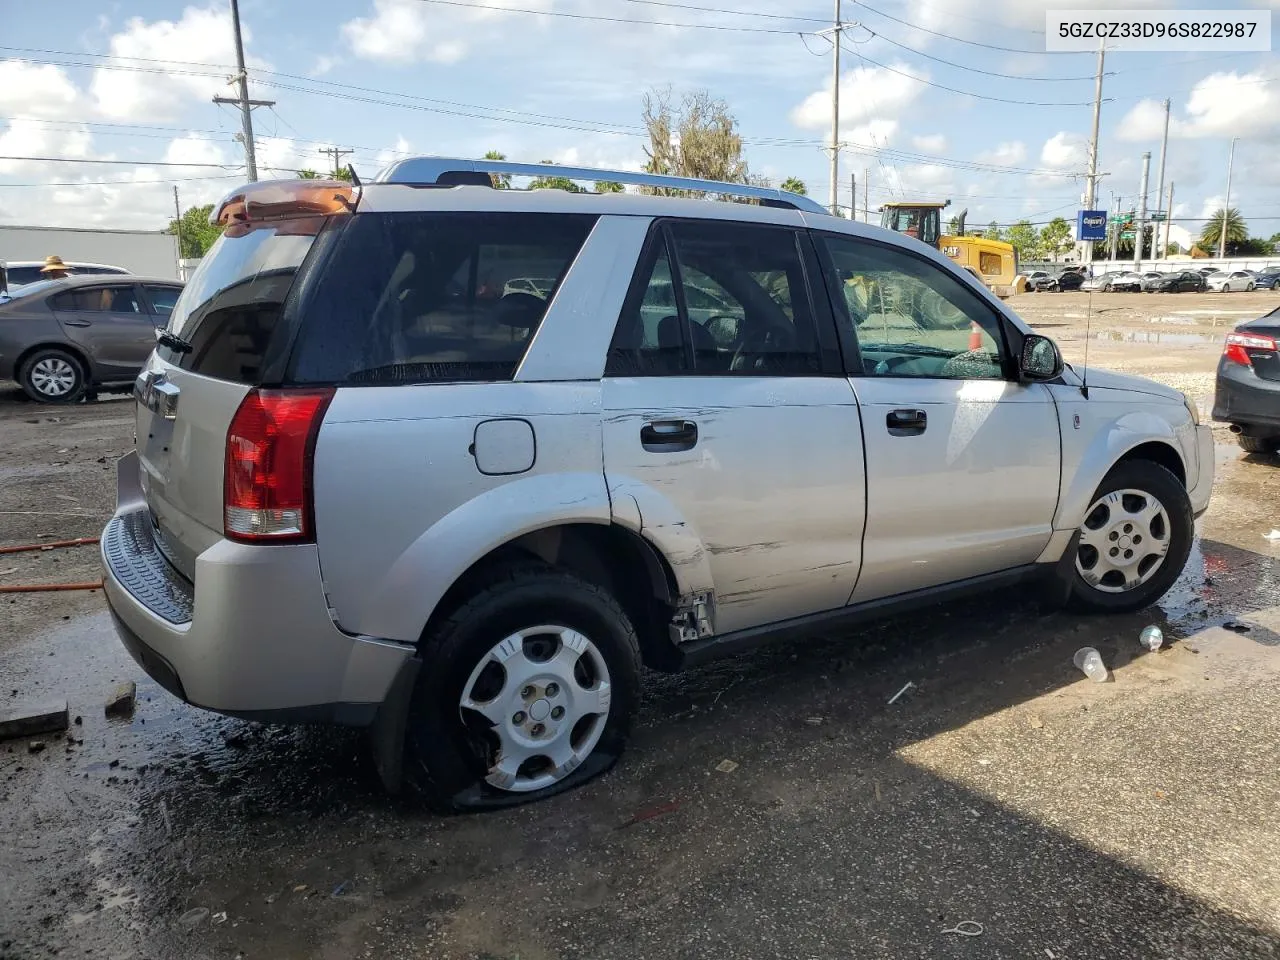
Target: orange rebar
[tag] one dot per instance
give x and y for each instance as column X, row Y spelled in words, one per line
column 48, row 587
column 56, row 544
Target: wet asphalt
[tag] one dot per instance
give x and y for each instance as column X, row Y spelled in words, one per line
column 1130, row 819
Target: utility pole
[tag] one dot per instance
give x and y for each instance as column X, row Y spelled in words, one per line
column 835, row 108
column 242, row 99
column 866, row 207
column 1115, row 229
column 177, row 221
column 1222, row 234
column 1140, row 223
column 853, row 196
column 1164, row 146
column 1168, row 219
column 1091, row 182
column 335, row 154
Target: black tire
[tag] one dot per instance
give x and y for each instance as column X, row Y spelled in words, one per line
column 1161, row 484
column 29, row 376
column 1106, row 288
column 445, row 757
column 1256, row 444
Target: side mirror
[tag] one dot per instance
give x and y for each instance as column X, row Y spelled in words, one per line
column 1040, row 359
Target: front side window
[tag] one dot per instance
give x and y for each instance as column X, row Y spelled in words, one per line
column 98, row 300
column 719, row 299
column 163, row 299
column 909, row 317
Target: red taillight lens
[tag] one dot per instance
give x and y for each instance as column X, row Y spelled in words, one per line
column 267, row 476
column 1238, row 346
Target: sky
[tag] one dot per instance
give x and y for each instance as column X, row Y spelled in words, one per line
column 939, row 99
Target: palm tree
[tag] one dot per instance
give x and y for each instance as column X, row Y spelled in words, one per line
column 795, row 185
column 1237, row 232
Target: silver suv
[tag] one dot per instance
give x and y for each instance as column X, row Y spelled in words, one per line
column 381, row 480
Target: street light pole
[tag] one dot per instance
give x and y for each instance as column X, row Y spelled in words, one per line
column 1222, row 233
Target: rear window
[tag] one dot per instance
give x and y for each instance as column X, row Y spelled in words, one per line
column 24, row 275
column 432, row 297
column 231, row 307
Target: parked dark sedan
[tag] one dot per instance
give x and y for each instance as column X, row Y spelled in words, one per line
column 1268, row 279
column 1183, row 282
column 1247, row 394
column 59, row 338
column 1066, row 280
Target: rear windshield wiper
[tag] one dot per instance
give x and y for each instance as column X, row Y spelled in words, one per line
column 173, row 341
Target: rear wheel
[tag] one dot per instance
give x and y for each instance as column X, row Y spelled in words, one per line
column 1256, row 444
column 52, row 376
column 526, row 690
column 1134, row 541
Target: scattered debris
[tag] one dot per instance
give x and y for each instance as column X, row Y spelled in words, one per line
column 966, row 928
column 650, row 813
column 1035, row 722
column 907, row 686
column 1236, row 626
column 727, row 766
column 300, row 888
column 164, row 815
column 26, row 721
column 220, row 917
column 815, row 721
column 194, row 917
column 1089, row 660
column 1273, row 535
column 35, row 746
column 5, row 573
column 1152, row 638
column 1050, row 954
column 341, row 888
column 1160, row 795
column 120, row 701
column 876, row 784
column 269, row 898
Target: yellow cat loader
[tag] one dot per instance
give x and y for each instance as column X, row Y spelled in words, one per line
column 994, row 262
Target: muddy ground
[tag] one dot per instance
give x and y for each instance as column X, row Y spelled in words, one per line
column 1135, row 818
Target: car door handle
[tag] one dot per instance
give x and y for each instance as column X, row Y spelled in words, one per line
column 906, row 423
column 77, row 323
column 669, row 436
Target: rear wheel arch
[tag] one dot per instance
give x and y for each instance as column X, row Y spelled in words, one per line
column 631, row 569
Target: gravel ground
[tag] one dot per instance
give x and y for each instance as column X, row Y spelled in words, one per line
column 1129, row 819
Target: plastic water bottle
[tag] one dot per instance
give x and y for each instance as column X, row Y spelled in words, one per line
column 1090, row 661
column 1152, row 638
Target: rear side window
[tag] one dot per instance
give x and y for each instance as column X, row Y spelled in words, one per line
column 19, row 275
column 98, row 300
column 163, row 299
column 433, row 297
column 231, row 307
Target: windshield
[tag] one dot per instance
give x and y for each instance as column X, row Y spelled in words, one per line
column 919, row 222
column 230, row 307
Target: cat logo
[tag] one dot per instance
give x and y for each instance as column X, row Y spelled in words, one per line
column 952, row 252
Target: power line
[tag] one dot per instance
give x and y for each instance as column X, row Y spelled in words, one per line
column 122, row 183
column 972, row 43
column 736, row 13
column 961, row 66
column 603, row 19
column 134, row 163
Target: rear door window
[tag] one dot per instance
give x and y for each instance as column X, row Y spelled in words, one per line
column 122, row 299
column 433, row 297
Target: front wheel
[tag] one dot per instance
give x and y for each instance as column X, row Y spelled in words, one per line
column 52, row 376
column 1134, row 541
column 526, row 690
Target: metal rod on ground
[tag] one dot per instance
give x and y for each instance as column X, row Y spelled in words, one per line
column 1164, row 146
column 1168, row 219
column 1091, row 182
column 54, row 545
column 1140, row 224
column 1222, row 234
column 50, row 587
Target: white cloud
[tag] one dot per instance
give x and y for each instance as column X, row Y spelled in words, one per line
column 36, row 91
column 401, row 150
column 866, row 93
column 406, row 31
column 876, row 133
column 194, row 148
column 1005, row 154
column 1220, row 105
column 1212, row 205
column 930, row 143
column 30, row 138
column 973, row 19
column 1064, row 151
column 324, row 64
column 203, row 35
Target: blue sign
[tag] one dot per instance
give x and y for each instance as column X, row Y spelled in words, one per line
column 1091, row 225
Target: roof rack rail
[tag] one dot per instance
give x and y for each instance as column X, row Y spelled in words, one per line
column 452, row 172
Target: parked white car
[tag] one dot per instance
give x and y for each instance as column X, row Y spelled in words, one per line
column 371, row 489
column 1223, row 282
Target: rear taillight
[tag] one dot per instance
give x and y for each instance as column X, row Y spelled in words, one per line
column 267, row 476
column 1238, row 346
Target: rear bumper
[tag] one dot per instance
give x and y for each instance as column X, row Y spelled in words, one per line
column 1242, row 397
column 252, row 637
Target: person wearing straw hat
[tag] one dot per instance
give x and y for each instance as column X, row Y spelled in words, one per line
column 54, row 268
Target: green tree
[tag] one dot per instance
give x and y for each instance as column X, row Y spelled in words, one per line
column 306, row 173
column 1237, row 232
column 343, row 174
column 993, row 231
column 1055, row 238
column 500, row 181
column 608, row 186
column 197, row 233
column 1025, row 239
column 1174, row 247
column 555, row 183
column 795, row 185
column 696, row 138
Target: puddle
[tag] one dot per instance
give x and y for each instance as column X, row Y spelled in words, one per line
column 1158, row 336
